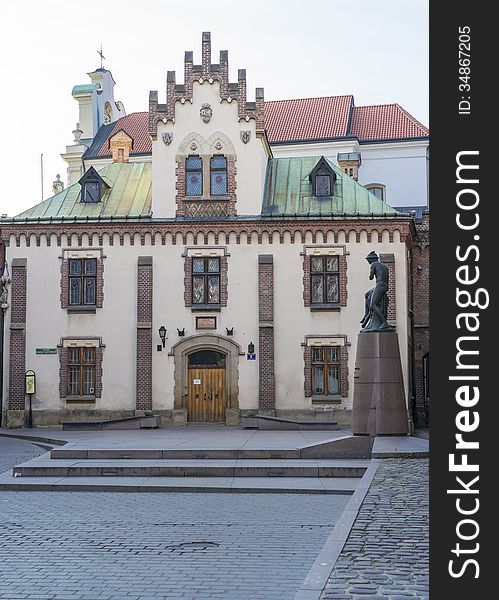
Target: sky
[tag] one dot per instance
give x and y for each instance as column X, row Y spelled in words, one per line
column 375, row 50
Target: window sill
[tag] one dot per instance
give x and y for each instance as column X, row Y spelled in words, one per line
column 81, row 309
column 206, row 307
column 336, row 399
column 319, row 307
column 80, row 400
column 211, row 198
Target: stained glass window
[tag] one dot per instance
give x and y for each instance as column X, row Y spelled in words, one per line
column 82, row 281
column 218, row 175
column 206, row 280
column 193, row 176
column 81, row 371
column 325, row 280
column 326, row 371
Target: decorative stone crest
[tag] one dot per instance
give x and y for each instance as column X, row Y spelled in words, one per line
column 206, row 113
column 245, row 136
column 167, row 138
column 218, row 145
column 193, row 146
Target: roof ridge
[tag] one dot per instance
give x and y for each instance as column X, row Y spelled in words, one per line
column 310, row 98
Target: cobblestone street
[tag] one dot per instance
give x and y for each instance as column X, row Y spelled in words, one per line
column 103, row 546
column 386, row 554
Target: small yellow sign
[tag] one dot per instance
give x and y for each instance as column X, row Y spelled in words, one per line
column 30, row 382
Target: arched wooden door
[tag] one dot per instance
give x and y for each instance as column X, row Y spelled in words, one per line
column 207, row 388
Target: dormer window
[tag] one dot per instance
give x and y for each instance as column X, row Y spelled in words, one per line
column 322, row 178
column 91, row 191
column 92, row 187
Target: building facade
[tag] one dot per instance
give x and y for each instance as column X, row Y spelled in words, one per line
column 206, row 263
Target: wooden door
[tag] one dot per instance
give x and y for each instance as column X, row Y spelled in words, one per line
column 206, row 395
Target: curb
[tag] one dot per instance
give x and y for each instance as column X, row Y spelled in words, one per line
column 316, row 579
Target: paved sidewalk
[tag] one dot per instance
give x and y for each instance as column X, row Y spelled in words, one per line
column 386, row 554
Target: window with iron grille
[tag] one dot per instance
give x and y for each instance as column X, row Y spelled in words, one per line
column 325, row 280
column 206, row 281
column 81, row 371
column 194, row 176
column 82, row 281
column 218, row 176
column 326, row 371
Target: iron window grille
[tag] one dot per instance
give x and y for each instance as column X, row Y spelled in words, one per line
column 326, row 371
column 81, row 371
column 194, row 176
column 218, row 175
column 325, row 280
column 82, row 281
column 206, row 281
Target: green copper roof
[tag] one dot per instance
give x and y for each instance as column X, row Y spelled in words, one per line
column 288, row 192
column 84, row 88
column 129, row 194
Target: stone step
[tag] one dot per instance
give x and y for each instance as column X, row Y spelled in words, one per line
column 45, row 467
column 152, row 454
column 253, row 485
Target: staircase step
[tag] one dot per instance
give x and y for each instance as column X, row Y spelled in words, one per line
column 271, row 468
column 266, row 485
column 152, row 454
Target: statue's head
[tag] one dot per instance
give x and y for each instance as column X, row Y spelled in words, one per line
column 372, row 257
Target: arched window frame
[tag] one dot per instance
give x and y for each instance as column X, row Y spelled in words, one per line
column 189, row 170
column 218, row 170
column 374, row 187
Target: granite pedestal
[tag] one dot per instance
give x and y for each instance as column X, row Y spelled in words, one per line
column 379, row 406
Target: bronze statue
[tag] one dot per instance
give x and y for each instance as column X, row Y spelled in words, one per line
column 376, row 313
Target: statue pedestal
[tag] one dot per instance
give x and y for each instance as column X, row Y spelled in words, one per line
column 379, row 406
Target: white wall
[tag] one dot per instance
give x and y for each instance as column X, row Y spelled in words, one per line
column 47, row 322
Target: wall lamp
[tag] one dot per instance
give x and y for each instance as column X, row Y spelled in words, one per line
column 162, row 334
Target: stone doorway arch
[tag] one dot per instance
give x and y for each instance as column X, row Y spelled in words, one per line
column 206, row 341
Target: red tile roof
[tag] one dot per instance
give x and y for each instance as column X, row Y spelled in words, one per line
column 136, row 125
column 385, row 122
column 297, row 120
column 308, row 118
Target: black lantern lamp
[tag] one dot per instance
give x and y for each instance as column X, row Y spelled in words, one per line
column 251, row 348
column 162, row 334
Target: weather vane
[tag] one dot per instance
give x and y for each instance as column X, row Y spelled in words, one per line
column 102, row 57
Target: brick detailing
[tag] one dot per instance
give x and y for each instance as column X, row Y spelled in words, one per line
column 224, row 281
column 421, row 311
column 99, row 292
column 143, row 393
column 251, row 231
column 342, row 263
column 307, row 358
column 389, row 261
column 63, row 372
column 266, row 333
column 206, row 205
column 17, row 358
column 206, row 72
column 188, row 281
column 343, row 280
column 344, row 372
